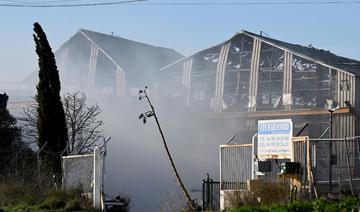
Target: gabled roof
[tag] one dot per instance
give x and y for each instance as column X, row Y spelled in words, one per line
column 123, row 50
column 326, row 57
column 128, row 54
column 317, row 55
column 131, row 56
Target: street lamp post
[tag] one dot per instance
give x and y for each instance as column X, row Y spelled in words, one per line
column 331, row 109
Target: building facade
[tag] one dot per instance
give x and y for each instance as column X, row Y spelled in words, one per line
column 251, row 77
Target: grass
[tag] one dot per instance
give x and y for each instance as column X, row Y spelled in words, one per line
column 25, row 198
column 267, row 196
column 349, row 203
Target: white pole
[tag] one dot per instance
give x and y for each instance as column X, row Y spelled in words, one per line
column 97, row 179
column 253, row 157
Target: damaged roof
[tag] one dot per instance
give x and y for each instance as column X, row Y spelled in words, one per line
column 317, row 55
column 321, row 55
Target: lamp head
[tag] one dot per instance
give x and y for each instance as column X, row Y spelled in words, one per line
column 333, row 108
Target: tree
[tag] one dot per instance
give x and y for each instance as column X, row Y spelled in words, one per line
column 51, row 125
column 148, row 114
column 28, row 120
column 9, row 140
column 13, row 152
column 83, row 123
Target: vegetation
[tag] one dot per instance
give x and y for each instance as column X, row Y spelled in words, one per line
column 349, row 203
column 16, row 159
column 83, row 123
column 263, row 193
column 51, row 125
column 22, row 197
column 9, row 140
column 148, row 114
column 266, row 196
column 82, row 120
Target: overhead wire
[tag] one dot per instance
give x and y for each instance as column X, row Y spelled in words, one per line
column 220, row 3
column 26, row 4
column 58, row 3
column 39, row 2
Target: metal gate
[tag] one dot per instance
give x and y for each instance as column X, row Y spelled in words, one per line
column 210, row 194
column 235, row 166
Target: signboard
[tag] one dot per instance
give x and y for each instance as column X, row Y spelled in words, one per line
column 274, row 138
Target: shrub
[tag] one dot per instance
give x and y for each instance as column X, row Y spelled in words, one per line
column 242, row 198
column 349, row 203
column 271, row 193
column 14, row 198
column 19, row 193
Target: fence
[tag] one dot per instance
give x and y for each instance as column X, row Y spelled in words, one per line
column 211, row 194
column 85, row 172
column 330, row 165
column 235, row 166
column 327, row 166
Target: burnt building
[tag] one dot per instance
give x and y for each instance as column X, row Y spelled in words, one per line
column 108, row 65
column 251, row 77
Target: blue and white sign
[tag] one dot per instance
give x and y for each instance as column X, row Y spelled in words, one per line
column 274, row 138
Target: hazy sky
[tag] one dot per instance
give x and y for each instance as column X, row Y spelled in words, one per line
column 186, row 29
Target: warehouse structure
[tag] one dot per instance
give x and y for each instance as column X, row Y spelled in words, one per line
column 108, row 65
column 251, row 77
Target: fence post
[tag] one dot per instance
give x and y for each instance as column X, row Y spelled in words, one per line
column 203, row 194
column 211, row 192
column 253, row 157
column 348, row 166
column 207, row 191
column 358, row 148
column 310, row 176
column 97, row 184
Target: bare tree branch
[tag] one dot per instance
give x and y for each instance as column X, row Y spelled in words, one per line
column 84, row 127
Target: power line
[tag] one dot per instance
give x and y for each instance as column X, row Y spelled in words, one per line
column 41, row 4
column 248, row 3
column 38, row 2
column 50, row 3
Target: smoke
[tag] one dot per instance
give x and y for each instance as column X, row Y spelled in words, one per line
column 136, row 162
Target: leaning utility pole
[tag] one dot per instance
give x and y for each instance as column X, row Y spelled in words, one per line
column 148, row 114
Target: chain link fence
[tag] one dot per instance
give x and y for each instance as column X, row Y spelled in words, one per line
column 78, row 172
column 85, row 172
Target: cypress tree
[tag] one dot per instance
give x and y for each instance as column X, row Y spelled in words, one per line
column 51, row 123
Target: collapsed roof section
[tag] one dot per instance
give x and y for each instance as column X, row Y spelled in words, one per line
column 320, row 55
column 317, row 55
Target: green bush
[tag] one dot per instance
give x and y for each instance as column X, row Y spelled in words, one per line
column 264, row 193
column 349, row 203
column 20, row 198
column 299, row 206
